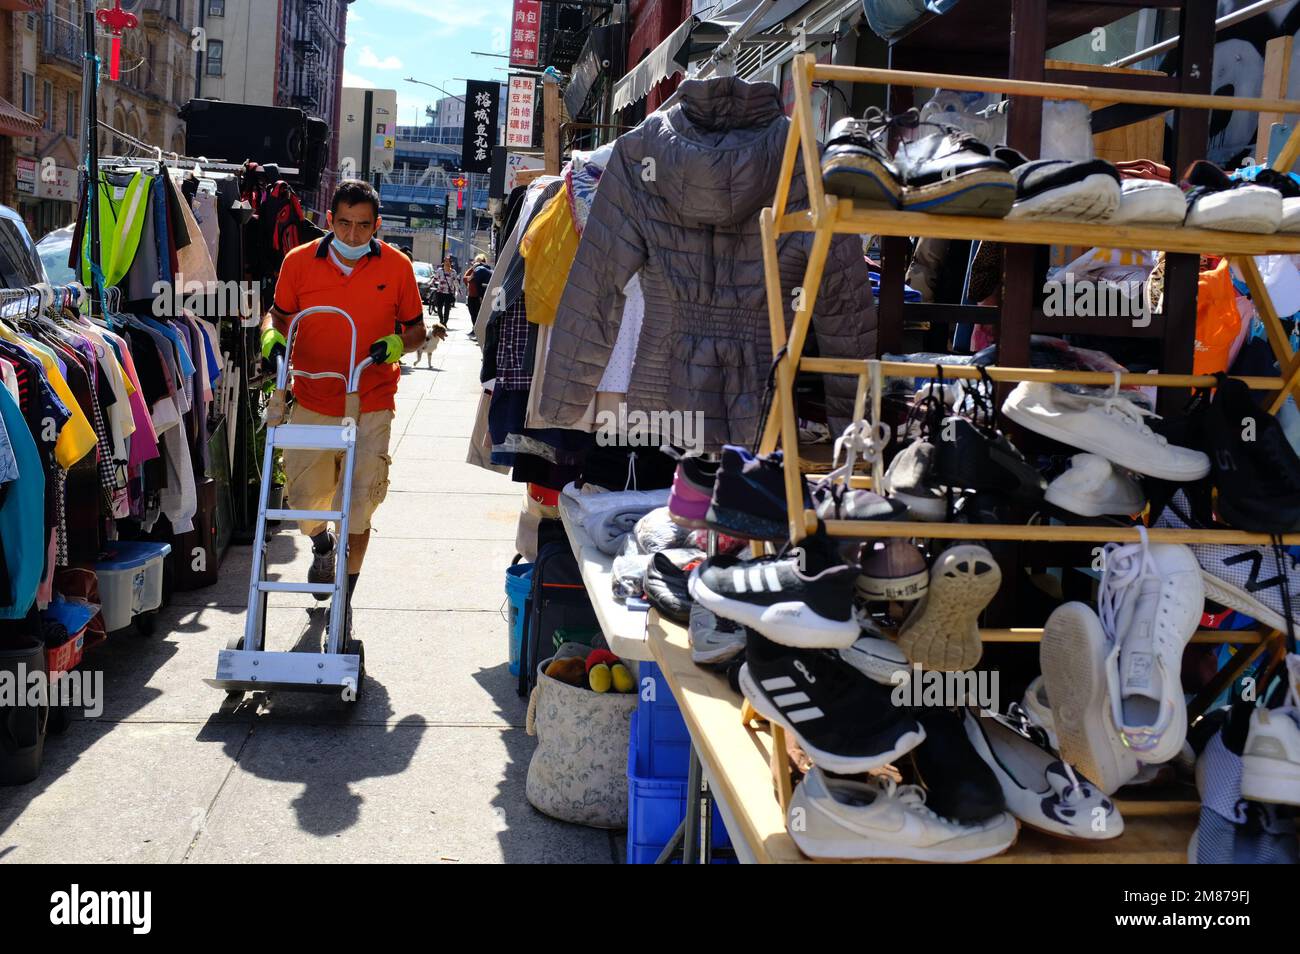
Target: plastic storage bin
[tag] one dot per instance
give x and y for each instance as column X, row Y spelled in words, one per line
column 130, row 580
column 519, row 580
column 655, row 807
column 663, row 746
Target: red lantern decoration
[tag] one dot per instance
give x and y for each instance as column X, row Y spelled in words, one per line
column 117, row 20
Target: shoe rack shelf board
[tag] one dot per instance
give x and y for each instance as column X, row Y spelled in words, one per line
column 737, row 760
column 624, row 629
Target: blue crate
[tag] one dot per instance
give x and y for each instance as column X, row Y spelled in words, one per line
column 655, row 807
column 663, row 746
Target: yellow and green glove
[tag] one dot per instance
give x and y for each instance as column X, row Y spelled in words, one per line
column 273, row 346
column 387, row 350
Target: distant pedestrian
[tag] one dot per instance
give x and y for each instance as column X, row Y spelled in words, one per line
column 444, row 291
column 476, row 282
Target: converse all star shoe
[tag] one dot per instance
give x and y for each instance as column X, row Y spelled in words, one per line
column 1150, row 604
column 893, row 571
column 845, row 721
column 843, row 818
column 803, row 598
column 1258, row 581
column 1042, row 791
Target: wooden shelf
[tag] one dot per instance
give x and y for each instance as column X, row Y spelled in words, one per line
column 851, row 220
column 735, row 759
column 624, row 629
column 1006, row 531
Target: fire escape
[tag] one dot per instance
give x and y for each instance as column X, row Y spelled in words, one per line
column 307, row 55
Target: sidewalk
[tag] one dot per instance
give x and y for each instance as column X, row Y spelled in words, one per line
column 429, row 767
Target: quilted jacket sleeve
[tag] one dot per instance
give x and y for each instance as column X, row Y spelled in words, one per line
column 612, row 250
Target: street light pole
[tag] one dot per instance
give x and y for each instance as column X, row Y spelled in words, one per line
column 446, row 213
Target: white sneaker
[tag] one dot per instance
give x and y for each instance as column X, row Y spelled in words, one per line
column 1270, row 762
column 1073, row 656
column 713, row 639
column 1111, row 427
column 1149, row 202
column 1150, row 605
column 1093, row 486
column 878, row 659
column 1257, row 581
column 1041, row 790
column 1246, row 208
column 839, row 818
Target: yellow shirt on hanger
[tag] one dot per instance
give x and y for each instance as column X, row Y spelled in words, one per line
column 77, row 438
column 548, row 248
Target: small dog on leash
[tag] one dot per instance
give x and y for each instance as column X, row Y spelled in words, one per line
column 432, row 338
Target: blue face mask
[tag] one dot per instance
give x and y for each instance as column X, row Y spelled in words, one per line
column 349, row 252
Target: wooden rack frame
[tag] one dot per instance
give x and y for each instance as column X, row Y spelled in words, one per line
column 828, row 215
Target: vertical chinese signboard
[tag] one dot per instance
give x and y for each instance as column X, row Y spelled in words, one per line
column 482, row 100
column 519, row 111
column 524, row 26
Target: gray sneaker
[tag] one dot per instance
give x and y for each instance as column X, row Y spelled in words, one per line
column 322, row 566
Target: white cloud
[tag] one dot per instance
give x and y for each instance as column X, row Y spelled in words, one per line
column 352, row 79
column 370, row 61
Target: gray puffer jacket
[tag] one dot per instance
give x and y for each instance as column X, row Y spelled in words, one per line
column 679, row 202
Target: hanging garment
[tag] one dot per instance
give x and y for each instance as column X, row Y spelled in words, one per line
column 204, row 209
column 22, row 524
column 123, row 215
column 692, row 231
column 77, row 437
column 550, row 243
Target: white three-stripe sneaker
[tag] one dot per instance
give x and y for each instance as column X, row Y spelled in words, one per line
column 803, row 598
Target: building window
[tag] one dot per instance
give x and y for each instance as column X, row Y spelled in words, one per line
column 47, row 103
column 72, row 119
column 31, row 23
column 216, row 8
column 215, row 54
column 29, row 93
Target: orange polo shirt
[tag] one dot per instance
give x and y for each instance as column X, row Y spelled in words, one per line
column 380, row 292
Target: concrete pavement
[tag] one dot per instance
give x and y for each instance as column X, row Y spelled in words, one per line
column 429, row 767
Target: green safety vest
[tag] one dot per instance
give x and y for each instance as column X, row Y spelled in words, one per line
column 121, row 222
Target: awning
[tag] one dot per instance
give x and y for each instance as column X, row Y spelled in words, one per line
column 15, row 122
column 695, row 38
column 604, row 50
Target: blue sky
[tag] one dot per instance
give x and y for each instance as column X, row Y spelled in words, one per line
column 431, row 40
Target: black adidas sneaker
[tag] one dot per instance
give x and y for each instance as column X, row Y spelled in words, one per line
column 845, row 722
column 803, row 598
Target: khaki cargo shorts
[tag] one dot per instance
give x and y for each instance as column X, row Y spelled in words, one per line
column 315, row 477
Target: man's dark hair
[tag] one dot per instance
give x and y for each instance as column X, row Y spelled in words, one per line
column 354, row 192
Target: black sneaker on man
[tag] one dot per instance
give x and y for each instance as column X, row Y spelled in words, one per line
column 322, row 565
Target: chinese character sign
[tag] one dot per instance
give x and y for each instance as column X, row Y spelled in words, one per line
column 482, row 100
column 519, row 111
column 525, row 22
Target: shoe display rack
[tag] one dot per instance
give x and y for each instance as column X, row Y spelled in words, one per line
column 827, row 216
column 1010, row 39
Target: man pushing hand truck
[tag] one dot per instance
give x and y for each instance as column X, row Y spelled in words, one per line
column 352, row 271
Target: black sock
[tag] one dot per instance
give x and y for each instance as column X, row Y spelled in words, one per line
column 322, row 542
column 352, row 585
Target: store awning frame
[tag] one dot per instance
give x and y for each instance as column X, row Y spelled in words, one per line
column 15, row 122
